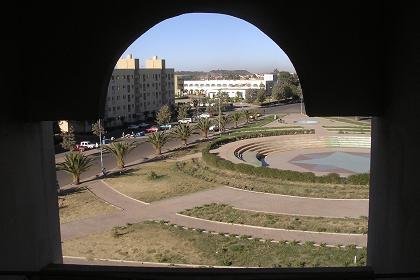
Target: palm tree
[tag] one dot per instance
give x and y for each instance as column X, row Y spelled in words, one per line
column 204, row 125
column 120, row 150
column 236, row 116
column 247, row 114
column 75, row 163
column 223, row 121
column 183, row 132
column 158, row 139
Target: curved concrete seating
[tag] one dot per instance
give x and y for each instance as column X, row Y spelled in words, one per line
column 249, row 150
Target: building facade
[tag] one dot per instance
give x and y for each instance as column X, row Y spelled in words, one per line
column 136, row 94
column 232, row 87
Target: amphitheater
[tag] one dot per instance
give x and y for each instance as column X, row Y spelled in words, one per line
column 320, row 154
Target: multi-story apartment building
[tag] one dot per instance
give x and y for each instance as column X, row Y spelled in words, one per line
column 136, row 94
column 232, row 87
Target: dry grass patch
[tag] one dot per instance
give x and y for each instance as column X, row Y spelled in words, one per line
column 81, row 204
column 147, row 242
column 156, row 181
column 156, row 242
column 228, row 214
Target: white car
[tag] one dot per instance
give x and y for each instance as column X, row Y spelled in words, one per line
column 87, row 144
column 204, row 115
column 186, row 120
column 214, row 128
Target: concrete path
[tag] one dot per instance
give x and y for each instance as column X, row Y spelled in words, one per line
column 135, row 211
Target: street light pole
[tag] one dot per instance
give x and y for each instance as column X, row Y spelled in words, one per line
column 100, row 142
column 220, row 115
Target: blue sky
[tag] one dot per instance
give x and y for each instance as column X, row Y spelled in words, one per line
column 208, row 42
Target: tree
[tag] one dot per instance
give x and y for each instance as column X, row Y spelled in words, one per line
column 287, row 91
column 276, row 93
column 236, row 116
column 75, row 163
column 224, row 120
column 164, row 115
column 158, row 139
column 98, row 129
column 250, row 95
column 68, row 139
column 247, row 114
column 182, row 111
column 204, row 125
column 183, row 132
column 261, row 95
column 120, row 150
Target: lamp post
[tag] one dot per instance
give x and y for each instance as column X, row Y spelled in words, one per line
column 220, row 115
column 100, row 142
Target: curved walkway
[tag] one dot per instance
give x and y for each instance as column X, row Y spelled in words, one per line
column 136, row 211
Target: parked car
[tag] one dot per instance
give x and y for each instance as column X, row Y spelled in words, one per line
column 204, row 115
column 214, row 128
column 186, row 120
column 139, row 134
column 166, row 126
column 152, row 129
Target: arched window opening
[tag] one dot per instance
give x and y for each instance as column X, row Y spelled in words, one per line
column 165, row 166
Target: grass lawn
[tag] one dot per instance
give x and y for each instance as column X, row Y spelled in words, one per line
column 157, row 180
column 228, row 214
column 81, row 204
column 258, row 123
column 198, row 169
column 157, row 242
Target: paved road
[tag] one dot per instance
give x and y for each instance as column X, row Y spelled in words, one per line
column 135, row 211
column 145, row 150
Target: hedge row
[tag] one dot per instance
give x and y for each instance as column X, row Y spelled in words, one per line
column 288, row 175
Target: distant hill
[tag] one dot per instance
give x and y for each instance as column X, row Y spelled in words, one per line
column 230, row 72
column 191, row 73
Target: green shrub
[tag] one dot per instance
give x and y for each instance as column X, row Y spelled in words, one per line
column 358, row 179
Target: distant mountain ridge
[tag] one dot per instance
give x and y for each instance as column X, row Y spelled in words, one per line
column 214, row 72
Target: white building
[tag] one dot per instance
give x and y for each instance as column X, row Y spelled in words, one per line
column 232, row 87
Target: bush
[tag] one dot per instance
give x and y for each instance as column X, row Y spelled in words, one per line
column 287, row 175
column 358, row 179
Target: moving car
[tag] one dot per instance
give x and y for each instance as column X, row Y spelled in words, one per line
column 84, row 146
column 186, row 120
